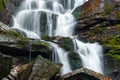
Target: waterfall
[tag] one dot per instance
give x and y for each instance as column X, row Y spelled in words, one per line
column 90, row 54
column 54, row 18
column 62, row 57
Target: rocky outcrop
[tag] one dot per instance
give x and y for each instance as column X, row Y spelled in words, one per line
column 102, row 14
column 41, row 69
column 84, row 74
column 5, row 65
column 101, row 23
column 8, row 7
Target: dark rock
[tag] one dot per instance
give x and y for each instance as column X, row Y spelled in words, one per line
column 5, row 65
column 84, row 74
column 115, row 75
column 64, row 42
column 42, row 69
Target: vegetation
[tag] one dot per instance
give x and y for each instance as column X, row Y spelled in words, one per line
column 1, row 5
column 67, row 44
column 114, row 47
column 76, row 13
column 108, row 8
column 20, row 39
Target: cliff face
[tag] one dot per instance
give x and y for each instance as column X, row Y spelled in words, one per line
column 100, row 21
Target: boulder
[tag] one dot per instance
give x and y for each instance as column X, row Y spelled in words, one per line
column 41, row 69
column 5, row 65
column 84, row 74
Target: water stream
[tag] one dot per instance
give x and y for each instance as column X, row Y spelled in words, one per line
column 54, row 18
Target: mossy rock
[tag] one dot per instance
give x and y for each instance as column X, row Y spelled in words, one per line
column 75, row 60
column 41, row 46
column 21, row 41
column 108, row 8
column 114, row 48
column 77, row 13
column 46, row 38
column 66, row 43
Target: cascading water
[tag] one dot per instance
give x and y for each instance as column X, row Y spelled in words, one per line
column 62, row 58
column 90, row 54
column 54, row 18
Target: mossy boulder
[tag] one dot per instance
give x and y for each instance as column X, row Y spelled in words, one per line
column 64, row 42
column 75, row 60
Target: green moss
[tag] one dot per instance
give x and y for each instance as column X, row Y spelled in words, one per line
column 46, row 37
column 42, row 43
column 76, row 12
column 21, row 41
column 67, row 44
column 1, row 5
column 98, row 30
column 75, row 61
column 114, row 48
column 112, row 40
column 108, row 8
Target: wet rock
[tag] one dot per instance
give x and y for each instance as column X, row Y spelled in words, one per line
column 64, row 42
column 5, row 65
column 115, row 75
column 41, row 69
column 84, row 74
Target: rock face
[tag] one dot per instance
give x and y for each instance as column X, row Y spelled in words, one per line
column 5, row 65
column 103, row 13
column 84, row 74
column 42, row 69
column 100, row 22
column 8, row 7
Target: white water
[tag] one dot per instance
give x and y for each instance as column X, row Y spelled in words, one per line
column 61, row 56
column 90, row 54
column 57, row 21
